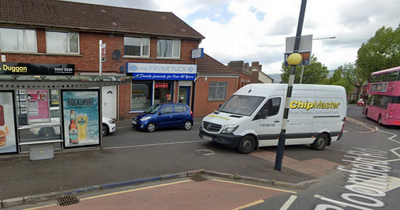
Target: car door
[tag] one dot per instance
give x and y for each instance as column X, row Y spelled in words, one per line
column 180, row 115
column 165, row 117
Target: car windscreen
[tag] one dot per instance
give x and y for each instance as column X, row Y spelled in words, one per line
column 241, row 105
column 153, row 109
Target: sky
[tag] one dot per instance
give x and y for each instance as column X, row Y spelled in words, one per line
column 256, row 30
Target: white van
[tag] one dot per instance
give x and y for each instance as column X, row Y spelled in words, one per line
column 252, row 117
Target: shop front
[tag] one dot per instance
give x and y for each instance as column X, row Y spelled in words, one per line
column 46, row 107
column 160, row 83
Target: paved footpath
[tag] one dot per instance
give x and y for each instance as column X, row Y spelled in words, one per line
column 179, row 194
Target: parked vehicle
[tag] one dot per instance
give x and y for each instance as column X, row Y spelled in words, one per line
column 252, row 117
column 360, row 102
column 52, row 129
column 164, row 115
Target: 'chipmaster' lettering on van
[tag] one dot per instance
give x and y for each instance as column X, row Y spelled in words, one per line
column 313, row 105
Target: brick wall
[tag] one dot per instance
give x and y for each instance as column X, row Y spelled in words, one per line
column 88, row 59
column 202, row 106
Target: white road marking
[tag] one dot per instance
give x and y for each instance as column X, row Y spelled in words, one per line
column 288, row 203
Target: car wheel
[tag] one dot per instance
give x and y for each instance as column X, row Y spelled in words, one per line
column 246, row 144
column 47, row 132
column 188, row 125
column 151, row 127
column 104, row 130
column 320, row 142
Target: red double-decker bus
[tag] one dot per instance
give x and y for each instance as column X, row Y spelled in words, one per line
column 382, row 102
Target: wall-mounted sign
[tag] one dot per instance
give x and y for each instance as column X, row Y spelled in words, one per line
column 81, row 118
column 8, row 140
column 161, row 85
column 197, row 53
column 36, row 69
column 152, row 71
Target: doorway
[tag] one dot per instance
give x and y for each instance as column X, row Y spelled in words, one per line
column 184, row 95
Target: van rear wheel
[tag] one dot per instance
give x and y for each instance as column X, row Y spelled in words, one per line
column 246, row 144
column 320, row 142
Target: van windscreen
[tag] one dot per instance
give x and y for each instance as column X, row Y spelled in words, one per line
column 241, row 105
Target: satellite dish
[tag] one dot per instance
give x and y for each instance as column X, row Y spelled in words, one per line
column 116, row 54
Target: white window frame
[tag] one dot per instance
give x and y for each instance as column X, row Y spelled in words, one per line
column 24, row 41
column 216, row 86
column 173, row 48
column 141, row 46
column 68, row 42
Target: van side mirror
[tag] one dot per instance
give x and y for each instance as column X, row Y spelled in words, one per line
column 159, row 114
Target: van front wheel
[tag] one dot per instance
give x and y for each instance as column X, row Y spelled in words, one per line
column 320, row 142
column 246, row 144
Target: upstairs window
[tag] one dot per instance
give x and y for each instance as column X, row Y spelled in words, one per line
column 168, row 48
column 62, row 42
column 20, row 40
column 134, row 46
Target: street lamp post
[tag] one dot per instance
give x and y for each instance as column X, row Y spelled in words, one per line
column 302, row 66
column 295, row 57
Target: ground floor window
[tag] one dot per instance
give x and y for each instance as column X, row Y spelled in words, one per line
column 163, row 91
column 141, row 94
column 217, row 91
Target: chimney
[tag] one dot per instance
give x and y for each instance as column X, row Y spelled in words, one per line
column 256, row 64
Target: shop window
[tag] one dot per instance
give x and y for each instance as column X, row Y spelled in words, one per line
column 217, row 91
column 62, row 42
column 168, row 48
column 162, row 92
column 18, row 40
column 141, row 94
column 134, row 46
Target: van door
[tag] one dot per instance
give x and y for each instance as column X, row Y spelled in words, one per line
column 269, row 122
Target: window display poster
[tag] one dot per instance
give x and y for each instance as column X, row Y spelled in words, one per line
column 8, row 140
column 38, row 105
column 81, row 118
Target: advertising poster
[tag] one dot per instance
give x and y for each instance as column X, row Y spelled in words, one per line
column 8, row 140
column 38, row 106
column 81, row 118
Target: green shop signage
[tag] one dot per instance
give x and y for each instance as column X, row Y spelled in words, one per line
column 36, row 69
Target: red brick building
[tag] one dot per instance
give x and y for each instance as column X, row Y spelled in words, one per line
column 153, row 47
column 215, row 83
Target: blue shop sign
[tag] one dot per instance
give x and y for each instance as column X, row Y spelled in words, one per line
column 152, row 71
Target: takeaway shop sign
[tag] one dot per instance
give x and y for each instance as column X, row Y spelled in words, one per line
column 36, row 69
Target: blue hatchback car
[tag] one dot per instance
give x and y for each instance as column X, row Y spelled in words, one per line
column 164, row 115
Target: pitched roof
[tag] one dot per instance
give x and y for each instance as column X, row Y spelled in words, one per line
column 63, row 14
column 208, row 66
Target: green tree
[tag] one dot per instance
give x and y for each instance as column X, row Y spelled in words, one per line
column 315, row 73
column 352, row 74
column 336, row 77
column 381, row 51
